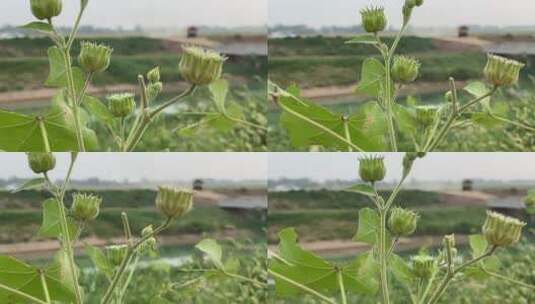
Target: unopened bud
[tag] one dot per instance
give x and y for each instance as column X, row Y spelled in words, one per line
column 150, row 244
column 372, row 168
column 154, row 75
column 116, row 254
column 501, row 230
column 373, row 19
column 402, row 222
column 46, row 9
column 426, row 115
column 201, row 67
column 423, row 266
column 448, row 96
column 174, row 203
column 501, row 71
column 41, row 162
column 121, row 105
column 94, row 58
column 85, row 207
column 153, row 90
column 405, row 69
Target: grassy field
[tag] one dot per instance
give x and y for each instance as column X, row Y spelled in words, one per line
column 21, row 216
column 23, row 62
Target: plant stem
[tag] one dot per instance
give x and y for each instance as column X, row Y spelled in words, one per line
column 514, row 123
column 73, row 98
column 382, row 256
column 451, row 274
column 21, row 294
column 240, row 277
column 44, row 134
column 246, row 123
column 130, row 253
column 510, row 280
column 147, row 116
column 45, row 286
column 129, row 278
column 340, row 277
column 302, row 287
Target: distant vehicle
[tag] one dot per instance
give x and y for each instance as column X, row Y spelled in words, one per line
column 468, row 185
column 193, row 32
column 198, row 184
column 464, row 31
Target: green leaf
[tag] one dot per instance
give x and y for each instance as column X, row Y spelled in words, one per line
column 42, row 27
column 61, row 269
column 478, row 89
column 363, row 39
column 51, row 221
column 219, row 91
column 368, row 226
column 213, row 250
column 27, row 279
column 301, row 118
column 362, row 189
column 316, row 273
column 232, row 265
column 479, row 246
column 58, row 71
column 401, row 270
column 485, row 120
column 372, row 78
column 98, row 109
column 32, row 184
column 99, row 259
column 214, row 122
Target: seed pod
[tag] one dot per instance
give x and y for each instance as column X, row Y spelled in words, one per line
column 405, row 69
column 373, row 19
column 372, row 168
column 154, row 75
column 41, row 162
column 423, row 266
column 201, row 67
column 174, row 203
column 501, row 230
column 94, row 58
column 153, row 90
column 501, row 71
column 85, row 207
column 426, row 115
column 402, row 222
column 46, row 9
column 121, row 105
column 116, row 254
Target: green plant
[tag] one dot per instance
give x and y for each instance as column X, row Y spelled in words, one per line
column 384, row 124
column 58, row 281
column 425, row 277
column 65, row 126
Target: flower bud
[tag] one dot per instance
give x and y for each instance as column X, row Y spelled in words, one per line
column 153, row 90
column 116, row 254
column 448, row 96
column 426, row 115
column 501, row 71
column 154, row 75
column 46, row 9
column 372, row 169
column 121, row 105
column 418, row 2
column 405, row 69
column 94, row 58
column 199, row 66
column 150, row 244
column 41, row 162
column 373, row 19
column 407, row 10
column 174, row 203
column 402, row 222
column 423, row 266
column 501, row 230
column 85, row 207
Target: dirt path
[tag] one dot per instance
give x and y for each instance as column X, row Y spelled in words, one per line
column 339, row 248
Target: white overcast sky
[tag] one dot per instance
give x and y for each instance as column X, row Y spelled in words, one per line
column 151, row 166
column 435, row 166
column 149, row 13
column 433, row 13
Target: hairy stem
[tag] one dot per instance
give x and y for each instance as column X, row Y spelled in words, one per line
column 340, row 278
column 347, row 133
column 382, row 257
column 302, row 287
column 44, row 134
column 45, row 286
column 246, row 279
column 510, row 280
